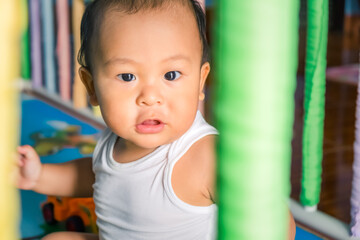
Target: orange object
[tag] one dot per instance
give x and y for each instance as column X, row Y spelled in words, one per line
column 64, row 208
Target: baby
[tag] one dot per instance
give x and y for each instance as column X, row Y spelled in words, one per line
column 152, row 174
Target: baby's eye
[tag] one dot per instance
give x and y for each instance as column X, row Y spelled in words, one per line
column 127, row 77
column 172, row 75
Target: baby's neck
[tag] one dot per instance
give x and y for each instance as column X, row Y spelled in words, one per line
column 125, row 151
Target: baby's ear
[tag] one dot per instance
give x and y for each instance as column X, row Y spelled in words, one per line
column 204, row 72
column 88, row 81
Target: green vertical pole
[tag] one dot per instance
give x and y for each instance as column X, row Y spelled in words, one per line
column 255, row 71
column 314, row 102
column 25, row 42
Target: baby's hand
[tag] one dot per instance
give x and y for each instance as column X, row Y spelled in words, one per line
column 29, row 167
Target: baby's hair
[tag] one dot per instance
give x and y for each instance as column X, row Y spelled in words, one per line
column 94, row 14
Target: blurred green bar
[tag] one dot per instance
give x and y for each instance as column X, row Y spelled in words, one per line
column 255, row 71
column 25, row 42
column 314, row 102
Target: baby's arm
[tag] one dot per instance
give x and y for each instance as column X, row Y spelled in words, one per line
column 70, row 179
column 292, row 227
column 193, row 177
column 71, row 236
column 194, row 180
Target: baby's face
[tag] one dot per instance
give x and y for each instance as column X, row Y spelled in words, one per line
column 148, row 75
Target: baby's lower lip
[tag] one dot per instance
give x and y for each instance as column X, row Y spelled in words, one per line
column 150, row 126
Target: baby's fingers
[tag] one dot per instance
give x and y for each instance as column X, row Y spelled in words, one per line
column 29, row 167
column 19, row 161
column 27, row 157
column 22, row 155
column 25, row 150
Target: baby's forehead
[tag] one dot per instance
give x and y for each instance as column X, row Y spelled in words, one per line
column 116, row 19
column 101, row 17
column 172, row 30
column 173, row 7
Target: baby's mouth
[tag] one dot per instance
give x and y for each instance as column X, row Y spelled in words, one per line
column 150, row 126
column 151, row 122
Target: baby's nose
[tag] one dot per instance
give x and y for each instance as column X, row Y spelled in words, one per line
column 150, row 95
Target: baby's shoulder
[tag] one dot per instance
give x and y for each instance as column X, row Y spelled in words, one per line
column 193, row 177
column 202, row 151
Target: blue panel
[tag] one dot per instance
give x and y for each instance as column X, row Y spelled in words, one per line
column 302, row 234
column 39, row 117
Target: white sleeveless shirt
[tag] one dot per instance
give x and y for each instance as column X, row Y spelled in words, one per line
column 136, row 200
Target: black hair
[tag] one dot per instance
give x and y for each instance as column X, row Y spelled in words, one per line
column 95, row 10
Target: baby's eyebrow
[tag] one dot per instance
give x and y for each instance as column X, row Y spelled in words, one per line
column 120, row 61
column 123, row 60
column 177, row 57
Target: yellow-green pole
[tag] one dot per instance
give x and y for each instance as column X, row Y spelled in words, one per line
column 9, row 72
